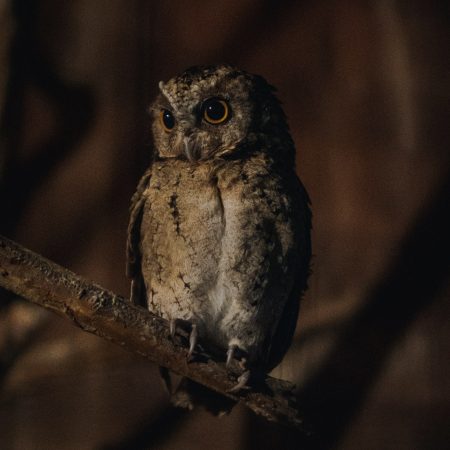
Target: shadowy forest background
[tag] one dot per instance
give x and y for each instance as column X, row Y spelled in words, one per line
column 366, row 87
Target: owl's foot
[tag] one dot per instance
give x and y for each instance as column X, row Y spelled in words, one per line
column 242, row 383
column 235, row 353
column 193, row 338
column 174, row 324
column 190, row 328
column 230, row 354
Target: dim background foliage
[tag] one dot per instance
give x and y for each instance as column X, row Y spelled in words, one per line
column 366, row 88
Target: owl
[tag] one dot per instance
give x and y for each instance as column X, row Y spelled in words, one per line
column 219, row 232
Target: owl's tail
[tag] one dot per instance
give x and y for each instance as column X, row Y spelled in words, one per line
column 188, row 394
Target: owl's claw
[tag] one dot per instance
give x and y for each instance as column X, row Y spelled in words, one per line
column 230, row 354
column 186, row 326
column 193, row 338
column 241, row 384
column 179, row 324
column 173, row 327
column 235, row 352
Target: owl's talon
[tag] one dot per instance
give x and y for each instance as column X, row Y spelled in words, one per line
column 185, row 326
column 173, row 327
column 173, row 324
column 241, row 384
column 193, row 338
column 230, row 354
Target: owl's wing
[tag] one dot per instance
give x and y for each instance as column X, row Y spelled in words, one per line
column 133, row 268
column 284, row 333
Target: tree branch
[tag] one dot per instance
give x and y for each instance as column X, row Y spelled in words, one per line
column 112, row 317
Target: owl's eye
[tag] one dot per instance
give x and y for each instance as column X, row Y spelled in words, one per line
column 215, row 110
column 167, row 119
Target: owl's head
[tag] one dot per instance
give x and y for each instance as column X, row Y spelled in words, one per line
column 214, row 111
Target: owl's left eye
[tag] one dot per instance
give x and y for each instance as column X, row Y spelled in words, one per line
column 215, row 110
column 167, row 119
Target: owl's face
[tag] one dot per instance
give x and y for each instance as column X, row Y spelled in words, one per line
column 211, row 111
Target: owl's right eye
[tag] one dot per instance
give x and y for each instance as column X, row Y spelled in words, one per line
column 167, row 119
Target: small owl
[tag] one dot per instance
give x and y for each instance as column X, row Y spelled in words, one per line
column 219, row 233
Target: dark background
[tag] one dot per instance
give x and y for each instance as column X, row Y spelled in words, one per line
column 366, row 88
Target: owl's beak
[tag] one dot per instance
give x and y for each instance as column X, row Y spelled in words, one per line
column 189, row 149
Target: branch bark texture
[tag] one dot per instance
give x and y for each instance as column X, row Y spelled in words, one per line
column 101, row 312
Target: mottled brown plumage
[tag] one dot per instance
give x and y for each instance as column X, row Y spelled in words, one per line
column 219, row 233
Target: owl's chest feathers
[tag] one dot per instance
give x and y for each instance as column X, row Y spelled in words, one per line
column 208, row 239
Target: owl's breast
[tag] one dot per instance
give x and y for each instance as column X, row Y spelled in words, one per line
column 181, row 233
